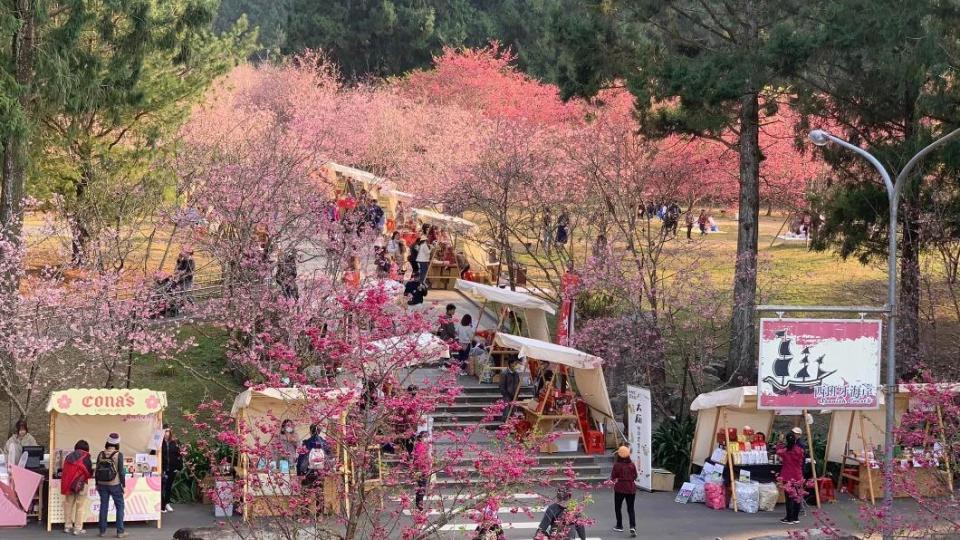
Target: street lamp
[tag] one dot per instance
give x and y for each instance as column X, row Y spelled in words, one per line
column 820, row 137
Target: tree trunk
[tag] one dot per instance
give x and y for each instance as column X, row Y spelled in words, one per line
column 740, row 360
column 13, row 174
column 908, row 302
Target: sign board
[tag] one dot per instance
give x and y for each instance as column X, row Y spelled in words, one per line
column 640, row 430
column 107, row 401
column 831, row 364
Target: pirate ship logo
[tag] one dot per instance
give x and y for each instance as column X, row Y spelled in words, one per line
column 800, row 382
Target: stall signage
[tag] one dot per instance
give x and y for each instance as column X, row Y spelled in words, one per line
column 826, row 364
column 639, row 416
column 107, row 401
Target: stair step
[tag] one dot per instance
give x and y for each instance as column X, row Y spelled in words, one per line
column 589, row 479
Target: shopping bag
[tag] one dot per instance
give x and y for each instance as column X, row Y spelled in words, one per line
column 719, row 455
column 698, row 495
column 748, row 497
column 715, row 496
column 686, row 491
column 768, row 497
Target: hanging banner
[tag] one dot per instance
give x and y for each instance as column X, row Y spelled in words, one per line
column 107, row 401
column 640, row 430
column 831, row 364
column 568, row 290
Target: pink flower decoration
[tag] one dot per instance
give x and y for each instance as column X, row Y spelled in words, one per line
column 64, row 401
column 152, row 402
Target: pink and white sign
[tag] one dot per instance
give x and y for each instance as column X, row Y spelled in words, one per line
column 819, row 364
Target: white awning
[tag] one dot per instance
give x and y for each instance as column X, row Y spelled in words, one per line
column 444, row 219
column 504, row 296
column 364, row 177
column 399, row 195
column 392, row 288
column 423, row 347
column 288, row 395
column 731, row 397
column 548, row 352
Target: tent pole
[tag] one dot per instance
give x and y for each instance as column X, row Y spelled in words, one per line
column 863, row 440
column 53, row 445
column 476, row 327
column 826, row 449
column 160, row 464
column 813, row 459
column 733, row 479
column 943, row 441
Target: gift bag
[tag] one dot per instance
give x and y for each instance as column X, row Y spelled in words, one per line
column 698, row 495
column 686, row 491
column 748, row 497
column 719, row 455
column 715, row 496
column 768, row 497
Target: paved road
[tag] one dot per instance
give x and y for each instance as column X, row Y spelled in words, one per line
column 658, row 517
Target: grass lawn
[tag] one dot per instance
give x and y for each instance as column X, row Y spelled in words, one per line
column 196, row 376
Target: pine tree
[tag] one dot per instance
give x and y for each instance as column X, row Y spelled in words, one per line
column 697, row 67
column 883, row 77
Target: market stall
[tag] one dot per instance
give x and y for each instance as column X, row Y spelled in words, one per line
column 583, row 408
column 535, row 310
column 856, row 438
column 269, row 483
column 414, row 349
column 351, row 180
column 452, row 255
column 91, row 415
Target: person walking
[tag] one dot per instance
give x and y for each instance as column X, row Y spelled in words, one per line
column 624, row 477
column 423, row 259
column 559, row 521
column 77, row 471
column 689, row 222
column 172, row 464
column 563, row 228
column 422, row 467
column 110, row 475
column 509, row 386
column 702, row 221
column 792, row 457
column 465, row 333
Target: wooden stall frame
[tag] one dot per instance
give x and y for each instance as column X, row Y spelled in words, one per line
column 813, row 458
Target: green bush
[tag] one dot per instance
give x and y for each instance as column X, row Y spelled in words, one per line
column 671, row 446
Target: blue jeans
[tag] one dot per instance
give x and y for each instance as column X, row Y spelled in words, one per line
column 106, row 492
column 423, row 267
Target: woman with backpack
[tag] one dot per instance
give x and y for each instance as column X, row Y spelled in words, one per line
column 77, row 470
column 111, row 481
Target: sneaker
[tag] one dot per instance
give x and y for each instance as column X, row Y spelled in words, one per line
column 102, row 534
column 168, row 508
column 795, row 522
column 785, row 521
column 618, row 529
column 633, row 533
column 68, row 530
column 123, row 534
column 79, row 532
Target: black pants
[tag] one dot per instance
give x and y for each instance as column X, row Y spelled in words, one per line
column 165, row 487
column 618, row 499
column 421, row 492
column 793, row 508
column 689, row 230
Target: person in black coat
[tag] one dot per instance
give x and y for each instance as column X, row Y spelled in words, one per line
column 509, row 384
column 172, row 463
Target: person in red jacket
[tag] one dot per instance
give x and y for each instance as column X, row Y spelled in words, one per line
column 624, row 478
column 792, row 458
column 77, row 470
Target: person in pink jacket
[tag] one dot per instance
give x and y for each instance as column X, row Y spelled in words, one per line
column 624, row 476
column 792, row 458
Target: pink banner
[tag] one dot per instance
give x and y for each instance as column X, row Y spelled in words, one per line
column 819, row 364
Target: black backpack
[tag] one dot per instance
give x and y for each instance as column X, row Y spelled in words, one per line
column 106, row 469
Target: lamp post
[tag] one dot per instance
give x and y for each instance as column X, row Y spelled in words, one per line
column 820, row 137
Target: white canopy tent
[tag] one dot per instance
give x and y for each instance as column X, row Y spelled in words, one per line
column 587, row 369
column 421, row 348
column 458, row 224
column 392, row 288
column 368, row 181
column 535, row 310
column 730, row 407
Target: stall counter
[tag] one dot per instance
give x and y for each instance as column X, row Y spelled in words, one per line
column 141, row 498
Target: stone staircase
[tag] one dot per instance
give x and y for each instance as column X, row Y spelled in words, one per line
column 468, row 409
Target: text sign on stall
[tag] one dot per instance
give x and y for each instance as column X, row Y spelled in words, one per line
column 107, row 401
column 819, row 364
column 640, row 431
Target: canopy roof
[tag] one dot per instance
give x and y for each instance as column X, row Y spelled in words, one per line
column 548, row 352
column 107, row 401
column 364, row 177
column 504, row 296
column 734, row 398
column 291, row 396
column 399, row 195
column 454, row 222
column 428, row 347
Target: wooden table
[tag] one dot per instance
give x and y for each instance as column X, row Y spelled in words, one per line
column 929, row 481
column 546, row 423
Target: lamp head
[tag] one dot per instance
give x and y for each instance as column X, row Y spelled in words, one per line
column 819, row 137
